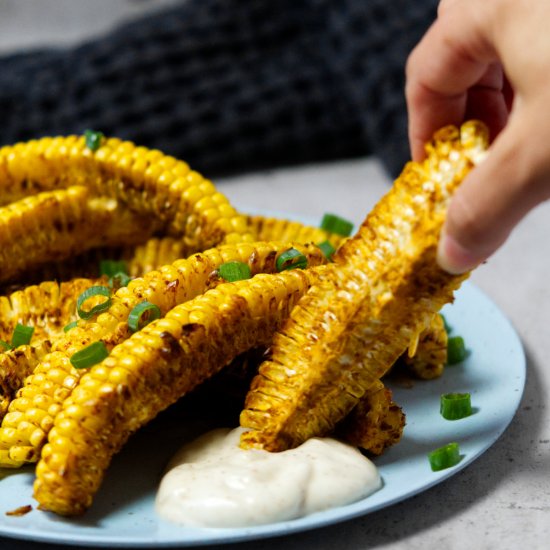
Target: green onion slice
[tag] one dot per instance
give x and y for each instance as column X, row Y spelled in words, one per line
column 119, row 279
column 89, row 356
column 291, row 259
column 444, row 457
column 456, row 350
column 68, row 327
column 142, row 315
column 327, row 249
column 112, row 267
column 335, row 224
column 455, row 406
column 90, row 293
column 21, row 335
column 93, row 139
column 5, row 345
column 234, row 271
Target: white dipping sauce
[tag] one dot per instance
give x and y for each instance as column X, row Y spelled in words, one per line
column 213, row 483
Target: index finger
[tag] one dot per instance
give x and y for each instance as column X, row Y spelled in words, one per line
column 454, row 54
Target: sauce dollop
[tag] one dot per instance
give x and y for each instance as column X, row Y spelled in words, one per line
column 213, row 483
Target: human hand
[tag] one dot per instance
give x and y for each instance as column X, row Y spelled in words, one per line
column 491, row 61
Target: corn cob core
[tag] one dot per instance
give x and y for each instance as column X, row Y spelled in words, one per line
column 382, row 290
column 147, row 181
column 21, row 437
column 151, row 370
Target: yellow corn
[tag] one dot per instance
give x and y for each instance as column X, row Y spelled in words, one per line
column 380, row 293
column 375, row 423
column 58, row 224
column 146, row 181
column 173, row 284
column 151, row 370
column 275, row 229
column 429, row 358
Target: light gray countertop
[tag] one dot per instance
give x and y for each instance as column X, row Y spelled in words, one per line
column 501, row 500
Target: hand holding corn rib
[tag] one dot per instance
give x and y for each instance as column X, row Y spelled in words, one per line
column 380, row 293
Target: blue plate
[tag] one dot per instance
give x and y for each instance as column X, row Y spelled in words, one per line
column 123, row 513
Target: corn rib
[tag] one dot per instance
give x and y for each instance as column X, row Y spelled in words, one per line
column 148, row 182
column 57, row 224
column 54, row 378
column 380, row 293
column 375, row 423
column 148, row 372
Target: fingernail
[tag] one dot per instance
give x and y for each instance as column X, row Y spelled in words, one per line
column 453, row 257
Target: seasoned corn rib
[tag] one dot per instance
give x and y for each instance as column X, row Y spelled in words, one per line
column 428, row 357
column 57, row 224
column 54, row 377
column 274, row 229
column 147, row 181
column 375, row 423
column 151, row 370
column 47, row 307
column 380, row 293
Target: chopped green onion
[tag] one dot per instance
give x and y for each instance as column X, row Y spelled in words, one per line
column 444, row 457
column 456, row 350
column 142, row 315
column 335, row 224
column 455, row 406
column 5, row 345
column 119, row 279
column 112, row 267
column 93, row 139
column 90, row 293
column 21, row 335
column 327, row 249
column 234, row 271
column 89, row 356
column 68, row 327
column 291, row 259
column 448, row 328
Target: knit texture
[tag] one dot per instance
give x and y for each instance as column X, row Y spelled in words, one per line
column 229, row 85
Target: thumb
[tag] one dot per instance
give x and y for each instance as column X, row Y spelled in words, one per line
column 495, row 196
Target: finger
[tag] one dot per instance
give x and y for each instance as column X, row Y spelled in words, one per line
column 487, row 100
column 494, row 197
column 453, row 56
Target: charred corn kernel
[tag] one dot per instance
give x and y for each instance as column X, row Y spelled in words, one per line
column 430, row 357
column 168, row 360
column 383, row 287
column 375, row 423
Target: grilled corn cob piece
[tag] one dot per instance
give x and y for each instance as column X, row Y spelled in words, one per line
column 428, row 356
column 47, row 307
column 54, row 378
column 146, row 181
column 275, row 229
column 380, row 293
column 375, row 423
column 58, row 224
column 151, row 370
